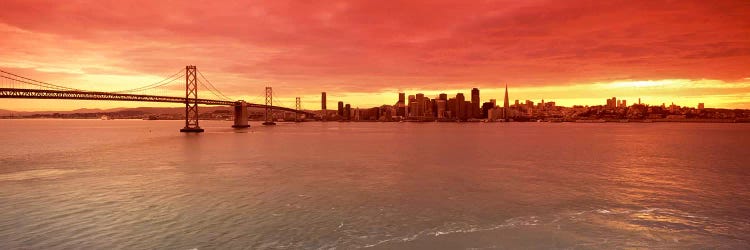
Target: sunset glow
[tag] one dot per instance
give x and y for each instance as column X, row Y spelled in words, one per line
column 364, row 52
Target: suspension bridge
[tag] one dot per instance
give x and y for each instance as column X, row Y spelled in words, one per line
column 17, row 86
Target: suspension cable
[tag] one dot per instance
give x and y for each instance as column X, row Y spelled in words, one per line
column 39, row 83
column 217, row 93
column 156, row 84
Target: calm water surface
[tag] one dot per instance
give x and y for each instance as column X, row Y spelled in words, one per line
column 131, row 184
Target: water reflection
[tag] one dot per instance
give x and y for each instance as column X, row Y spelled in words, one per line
column 375, row 185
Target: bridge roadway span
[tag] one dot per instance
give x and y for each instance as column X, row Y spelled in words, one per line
column 106, row 96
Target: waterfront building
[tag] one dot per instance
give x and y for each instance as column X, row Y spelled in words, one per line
column 427, row 108
column 451, row 110
column 412, row 107
column 324, row 113
column 347, row 112
column 420, row 107
column 460, row 106
column 467, row 107
column 401, row 105
column 475, row 103
column 612, row 103
column 486, row 107
column 505, row 104
column 440, row 108
column 341, row 110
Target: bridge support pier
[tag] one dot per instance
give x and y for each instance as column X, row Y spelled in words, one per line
column 240, row 115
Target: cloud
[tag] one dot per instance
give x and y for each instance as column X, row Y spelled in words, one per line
column 303, row 48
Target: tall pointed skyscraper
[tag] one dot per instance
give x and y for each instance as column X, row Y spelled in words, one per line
column 506, row 104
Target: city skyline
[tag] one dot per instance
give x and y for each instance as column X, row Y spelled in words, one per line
column 370, row 124
column 457, row 107
column 576, row 52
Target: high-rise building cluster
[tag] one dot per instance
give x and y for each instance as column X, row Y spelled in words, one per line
column 418, row 107
column 441, row 107
column 614, row 103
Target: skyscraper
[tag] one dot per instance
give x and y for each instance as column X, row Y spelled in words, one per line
column 475, row 103
column 323, row 101
column 341, row 110
column 441, row 107
column 347, row 112
column 506, row 104
column 420, row 107
column 450, row 108
column 460, row 106
column 486, row 108
column 401, row 105
column 612, row 103
column 412, row 106
column 323, row 106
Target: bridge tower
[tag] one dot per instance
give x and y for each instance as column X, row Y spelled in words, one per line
column 298, row 107
column 269, row 103
column 191, row 100
column 240, row 115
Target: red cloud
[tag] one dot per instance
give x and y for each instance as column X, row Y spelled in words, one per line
column 372, row 45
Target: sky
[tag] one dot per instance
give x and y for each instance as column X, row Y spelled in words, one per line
column 365, row 52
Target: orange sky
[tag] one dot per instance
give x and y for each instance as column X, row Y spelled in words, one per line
column 363, row 52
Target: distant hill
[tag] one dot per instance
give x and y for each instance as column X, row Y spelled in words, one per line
column 145, row 110
column 180, row 110
column 139, row 110
column 5, row 112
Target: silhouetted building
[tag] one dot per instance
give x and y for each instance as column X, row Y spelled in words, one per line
column 371, row 114
column 467, row 106
column 612, row 103
column 505, row 104
column 341, row 109
column 412, row 109
column 347, row 112
column 441, row 106
column 401, row 105
column 529, row 107
column 451, row 108
column 460, row 106
column 475, row 103
column 420, row 105
column 486, row 107
column 323, row 100
column 323, row 106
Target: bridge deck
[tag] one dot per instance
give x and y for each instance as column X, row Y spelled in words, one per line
column 106, row 96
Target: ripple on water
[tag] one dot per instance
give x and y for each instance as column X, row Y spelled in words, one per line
column 39, row 174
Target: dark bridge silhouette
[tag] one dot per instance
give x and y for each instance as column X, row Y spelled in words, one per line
column 191, row 100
